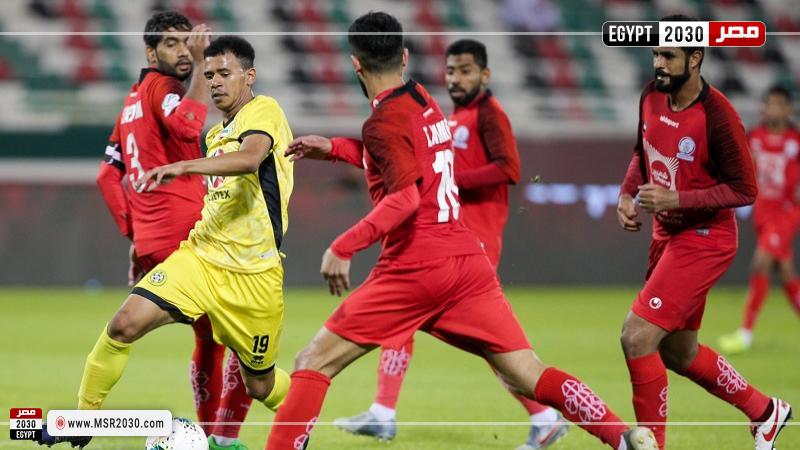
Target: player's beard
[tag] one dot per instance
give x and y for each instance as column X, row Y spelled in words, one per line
column 468, row 96
column 171, row 71
column 675, row 81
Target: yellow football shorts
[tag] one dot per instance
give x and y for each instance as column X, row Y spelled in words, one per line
column 245, row 310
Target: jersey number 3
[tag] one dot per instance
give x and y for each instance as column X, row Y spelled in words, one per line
column 136, row 170
column 447, row 192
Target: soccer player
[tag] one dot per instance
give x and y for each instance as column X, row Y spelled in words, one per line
column 774, row 145
column 153, row 129
column 230, row 267
column 690, row 166
column 432, row 273
column 486, row 162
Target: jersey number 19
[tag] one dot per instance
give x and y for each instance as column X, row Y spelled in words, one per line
column 446, row 194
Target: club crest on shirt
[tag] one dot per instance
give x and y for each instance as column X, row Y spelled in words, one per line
column 461, row 137
column 791, row 148
column 157, row 277
column 686, row 148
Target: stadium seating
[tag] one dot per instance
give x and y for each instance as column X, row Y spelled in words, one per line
column 561, row 85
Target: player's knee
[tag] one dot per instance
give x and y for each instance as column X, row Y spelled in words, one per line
column 635, row 342
column 123, row 328
column 307, row 359
column 258, row 390
column 678, row 360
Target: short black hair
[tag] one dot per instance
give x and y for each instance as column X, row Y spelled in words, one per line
column 779, row 90
column 686, row 50
column 380, row 52
column 235, row 45
column 472, row 47
column 162, row 21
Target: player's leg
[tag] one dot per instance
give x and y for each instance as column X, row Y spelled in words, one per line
column 234, row 405
column 684, row 355
column 205, row 374
column 790, row 282
column 761, row 267
column 379, row 420
column 527, row 375
column 640, row 343
column 315, row 365
column 479, row 320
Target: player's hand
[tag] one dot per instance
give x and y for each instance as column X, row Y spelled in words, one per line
column 336, row 272
column 626, row 213
column 159, row 175
column 199, row 39
column 311, row 147
column 135, row 270
column 655, row 199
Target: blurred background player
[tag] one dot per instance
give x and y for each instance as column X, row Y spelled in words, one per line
column 154, row 129
column 690, row 167
column 774, row 145
column 486, row 162
column 432, row 274
column 230, row 268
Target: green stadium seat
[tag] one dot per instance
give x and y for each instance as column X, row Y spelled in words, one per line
column 339, row 13
column 454, row 14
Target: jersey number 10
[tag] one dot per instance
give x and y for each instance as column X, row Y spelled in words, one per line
column 447, row 192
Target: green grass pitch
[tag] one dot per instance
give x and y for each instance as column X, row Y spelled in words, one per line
column 47, row 333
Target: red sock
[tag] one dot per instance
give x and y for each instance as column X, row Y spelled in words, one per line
column 759, row 286
column 649, row 381
column 792, row 290
column 299, row 412
column 391, row 372
column 234, row 402
column 579, row 404
column 715, row 374
column 206, row 374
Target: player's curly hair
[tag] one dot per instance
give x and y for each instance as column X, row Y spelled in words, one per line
column 381, row 52
column 162, row 21
column 237, row 46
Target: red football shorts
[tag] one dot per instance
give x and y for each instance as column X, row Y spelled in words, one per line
column 681, row 271
column 776, row 230
column 150, row 260
column 455, row 299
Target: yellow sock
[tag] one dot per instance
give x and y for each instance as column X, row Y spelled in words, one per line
column 104, row 367
column 279, row 390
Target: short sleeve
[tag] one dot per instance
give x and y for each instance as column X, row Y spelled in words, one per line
column 265, row 117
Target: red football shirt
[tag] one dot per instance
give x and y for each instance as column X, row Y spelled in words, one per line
column 482, row 136
column 157, row 127
column 700, row 152
column 406, row 141
column 776, row 159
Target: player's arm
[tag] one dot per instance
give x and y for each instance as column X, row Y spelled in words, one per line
column 184, row 115
column 109, row 180
column 392, row 149
column 634, row 177
column 333, row 149
column 495, row 131
column 730, row 156
column 253, row 150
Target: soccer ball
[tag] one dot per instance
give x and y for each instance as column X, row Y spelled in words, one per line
column 186, row 435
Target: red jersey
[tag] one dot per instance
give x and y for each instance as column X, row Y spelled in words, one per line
column 156, row 127
column 700, row 152
column 776, row 159
column 406, row 141
column 482, row 137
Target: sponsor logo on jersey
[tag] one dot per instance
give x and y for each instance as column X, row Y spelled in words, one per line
column 225, row 132
column 170, row 102
column 157, row 277
column 215, row 181
column 686, row 148
column 669, row 121
column 461, row 137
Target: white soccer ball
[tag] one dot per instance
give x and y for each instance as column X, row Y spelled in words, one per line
column 186, row 435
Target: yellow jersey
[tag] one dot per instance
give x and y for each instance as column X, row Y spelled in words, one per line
column 244, row 217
